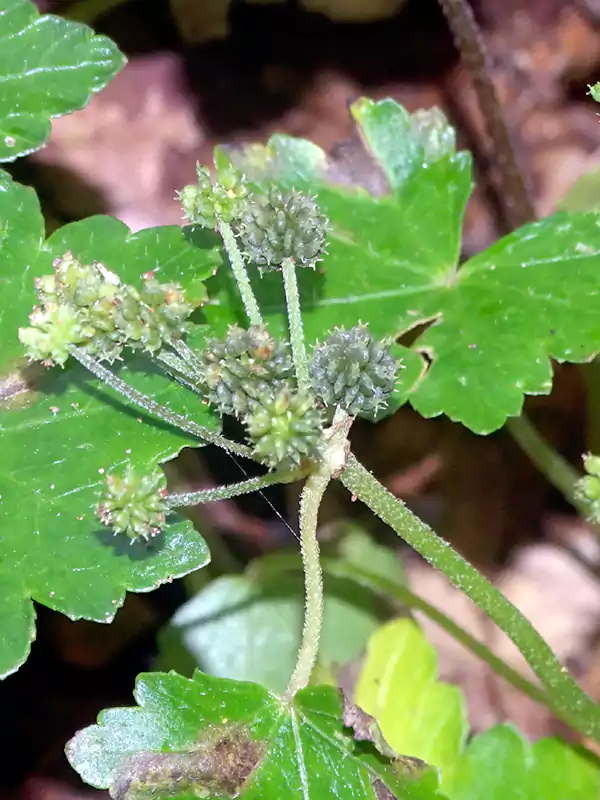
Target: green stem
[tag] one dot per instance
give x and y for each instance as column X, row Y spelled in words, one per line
column 157, row 410
column 182, row 499
column 268, row 566
column 312, row 494
column 550, row 463
column 408, row 598
column 240, row 274
column 292, row 298
column 573, row 704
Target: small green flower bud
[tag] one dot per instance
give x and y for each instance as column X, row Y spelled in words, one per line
column 207, row 203
column 53, row 330
column 353, row 371
column 134, row 504
column 286, row 430
column 243, row 367
column 283, row 225
column 588, row 488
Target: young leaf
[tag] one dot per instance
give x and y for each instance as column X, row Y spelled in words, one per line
column 493, row 325
column 210, row 737
column 48, row 67
column 417, row 713
column 62, row 432
column 500, row 763
column 248, row 628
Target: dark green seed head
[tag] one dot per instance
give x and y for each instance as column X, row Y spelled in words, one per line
column 242, row 367
column 353, row 371
column 280, row 226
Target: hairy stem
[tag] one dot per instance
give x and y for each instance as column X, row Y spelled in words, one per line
column 292, row 298
column 157, row 410
column 312, row 494
column 549, row 462
column 271, row 565
column 182, row 499
column 467, row 36
column 240, row 274
column 401, row 593
column 573, row 704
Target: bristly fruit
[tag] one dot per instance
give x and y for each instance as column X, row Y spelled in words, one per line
column 587, row 488
column 353, row 371
column 134, row 504
column 205, row 203
column 286, row 430
column 283, row 225
column 243, row 368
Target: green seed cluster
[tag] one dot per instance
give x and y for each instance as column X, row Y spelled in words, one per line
column 286, row 430
column 587, row 488
column 87, row 305
column 352, row 371
column 205, row 203
column 134, row 504
column 283, row 225
column 244, row 367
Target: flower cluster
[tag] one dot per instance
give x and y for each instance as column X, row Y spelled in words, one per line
column 134, row 504
column 587, row 489
column 88, row 305
column 205, row 203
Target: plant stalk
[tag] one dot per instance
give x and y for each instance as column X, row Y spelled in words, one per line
column 292, row 298
column 549, row 462
column 571, row 702
column 240, row 274
column 467, row 36
column 183, row 499
column 157, row 410
column 312, row 494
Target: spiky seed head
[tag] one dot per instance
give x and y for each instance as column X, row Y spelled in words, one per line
column 134, row 504
column 352, row 370
column 207, row 202
column 244, row 367
column 283, row 225
column 286, row 430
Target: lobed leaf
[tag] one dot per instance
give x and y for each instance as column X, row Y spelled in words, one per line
column 48, row 67
column 417, row 713
column 61, row 432
column 210, row 737
column 487, row 330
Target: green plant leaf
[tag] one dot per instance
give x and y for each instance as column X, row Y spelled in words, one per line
column 248, row 627
column 48, row 67
column 500, row 763
column 417, row 714
column 491, row 327
column 212, row 737
column 61, row 432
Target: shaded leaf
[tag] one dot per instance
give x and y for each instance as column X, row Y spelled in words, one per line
column 61, row 432
column 500, row 763
column 417, row 714
column 248, row 627
column 48, row 67
column 490, row 327
column 219, row 738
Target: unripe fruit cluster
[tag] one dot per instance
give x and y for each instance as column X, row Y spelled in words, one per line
column 205, row 203
column 353, row 371
column 283, row 225
column 587, row 488
column 87, row 305
column 134, row 504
